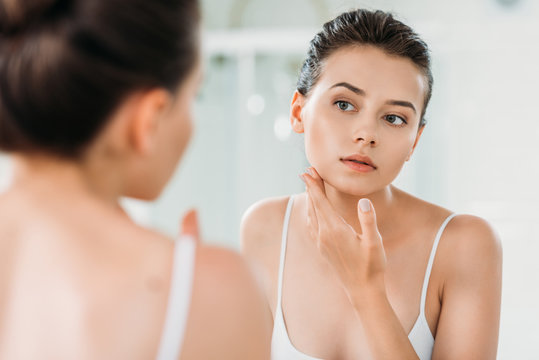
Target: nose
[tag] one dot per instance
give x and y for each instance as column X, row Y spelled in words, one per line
column 366, row 132
column 368, row 140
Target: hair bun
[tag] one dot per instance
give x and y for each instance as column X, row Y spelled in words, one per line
column 17, row 15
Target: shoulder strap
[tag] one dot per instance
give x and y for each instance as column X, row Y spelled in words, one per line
column 179, row 298
column 431, row 261
column 284, row 237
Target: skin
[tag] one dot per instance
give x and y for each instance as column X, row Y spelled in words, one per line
column 80, row 280
column 352, row 280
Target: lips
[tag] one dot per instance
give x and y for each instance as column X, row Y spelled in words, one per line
column 360, row 160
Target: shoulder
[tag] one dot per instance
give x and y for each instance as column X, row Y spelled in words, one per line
column 221, row 268
column 472, row 249
column 467, row 241
column 217, row 270
column 468, row 233
column 227, row 308
column 463, row 233
column 262, row 223
column 267, row 210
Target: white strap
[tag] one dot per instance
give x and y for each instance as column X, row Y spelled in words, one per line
column 181, row 284
column 283, row 248
column 431, row 261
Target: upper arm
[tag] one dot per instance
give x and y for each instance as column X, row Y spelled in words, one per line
column 260, row 233
column 228, row 319
column 260, row 225
column 469, row 320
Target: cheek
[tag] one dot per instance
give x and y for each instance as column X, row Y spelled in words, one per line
column 323, row 140
column 314, row 142
column 174, row 138
column 395, row 155
column 171, row 139
column 180, row 131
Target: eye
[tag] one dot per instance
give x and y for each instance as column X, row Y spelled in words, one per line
column 345, row 105
column 395, row 120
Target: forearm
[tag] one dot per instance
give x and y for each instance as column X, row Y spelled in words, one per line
column 385, row 334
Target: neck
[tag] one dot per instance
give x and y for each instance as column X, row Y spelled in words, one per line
column 384, row 202
column 48, row 176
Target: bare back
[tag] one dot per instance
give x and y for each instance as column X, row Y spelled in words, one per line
column 80, row 280
column 74, row 277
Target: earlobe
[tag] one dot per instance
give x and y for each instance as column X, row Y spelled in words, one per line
column 296, row 108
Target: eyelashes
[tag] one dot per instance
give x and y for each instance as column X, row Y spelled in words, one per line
column 345, row 106
column 392, row 119
column 395, row 120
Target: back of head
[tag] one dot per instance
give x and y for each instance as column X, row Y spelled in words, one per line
column 65, row 65
column 364, row 27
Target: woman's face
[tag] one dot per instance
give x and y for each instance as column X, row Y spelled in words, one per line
column 361, row 119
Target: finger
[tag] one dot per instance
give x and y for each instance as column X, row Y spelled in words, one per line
column 367, row 220
column 311, row 215
column 189, row 225
column 317, row 178
column 312, row 211
column 323, row 208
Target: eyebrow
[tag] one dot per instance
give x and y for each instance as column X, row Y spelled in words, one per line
column 362, row 92
column 402, row 103
column 350, row 87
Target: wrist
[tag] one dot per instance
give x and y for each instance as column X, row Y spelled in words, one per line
column 369, row 297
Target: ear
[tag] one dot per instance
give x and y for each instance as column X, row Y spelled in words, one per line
column 298, row 101
column 419, row 132
column 150, row 107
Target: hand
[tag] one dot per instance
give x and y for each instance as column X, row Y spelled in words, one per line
column 358, row 259
column 189, row 225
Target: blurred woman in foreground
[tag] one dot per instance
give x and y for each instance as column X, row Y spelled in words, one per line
column 95, row 104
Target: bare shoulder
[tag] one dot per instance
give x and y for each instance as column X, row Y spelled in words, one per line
column 470, row 226
column 219, row 272
column 464, row 232
column 226, row 305
column 469, row 258
column 466, row 238
column 222, row 269
column 471, row 241
column 227, row 309
column 262, row 223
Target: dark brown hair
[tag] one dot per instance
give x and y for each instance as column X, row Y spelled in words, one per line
column 65, row 65
column 364, row 27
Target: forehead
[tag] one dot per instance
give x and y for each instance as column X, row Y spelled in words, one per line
column 377, row 73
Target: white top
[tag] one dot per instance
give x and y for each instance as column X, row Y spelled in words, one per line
column 420, row 336
column 179, row 299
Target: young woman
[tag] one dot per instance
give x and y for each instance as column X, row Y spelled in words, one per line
column 356, row 268
column 95, row 103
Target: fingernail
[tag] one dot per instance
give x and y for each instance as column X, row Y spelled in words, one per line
column 365, row 205
column 309, row 171
column 189, row 223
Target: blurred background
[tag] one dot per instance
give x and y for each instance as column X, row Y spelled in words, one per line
column 478, row 154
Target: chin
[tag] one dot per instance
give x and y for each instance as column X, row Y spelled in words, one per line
column 354, row 187
column 145, row 193
column 142, row 196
